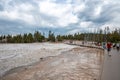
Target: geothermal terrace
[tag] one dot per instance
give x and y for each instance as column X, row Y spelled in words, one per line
column 49, row 61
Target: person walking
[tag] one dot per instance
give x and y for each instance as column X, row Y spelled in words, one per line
column 117, row 46
column 114, row 45
column 104, row 45
column 109, row 45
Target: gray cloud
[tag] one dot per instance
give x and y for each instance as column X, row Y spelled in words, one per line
column 61, row 16
column 1, row 8
column 12, row 27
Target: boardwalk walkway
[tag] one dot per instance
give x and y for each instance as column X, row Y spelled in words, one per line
column 111, row 66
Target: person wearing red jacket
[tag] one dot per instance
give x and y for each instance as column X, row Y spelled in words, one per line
column 109, row 46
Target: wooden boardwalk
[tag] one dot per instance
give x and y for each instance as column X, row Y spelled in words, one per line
column 111, row 66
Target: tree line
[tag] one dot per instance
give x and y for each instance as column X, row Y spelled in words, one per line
column 98, row 36
column 25, row 38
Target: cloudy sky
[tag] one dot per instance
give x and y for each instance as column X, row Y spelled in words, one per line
column 60, row 16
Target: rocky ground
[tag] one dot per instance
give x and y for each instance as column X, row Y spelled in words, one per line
column 54, row 62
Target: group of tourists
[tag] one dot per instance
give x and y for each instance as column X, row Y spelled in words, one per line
column 117, row 46
column 109, row 45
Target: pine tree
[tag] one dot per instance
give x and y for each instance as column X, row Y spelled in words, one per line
column 38, row 37
column 25, row 38
column 59, row 38
column 9, row 39
column 30, row 38
column 51, row 37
